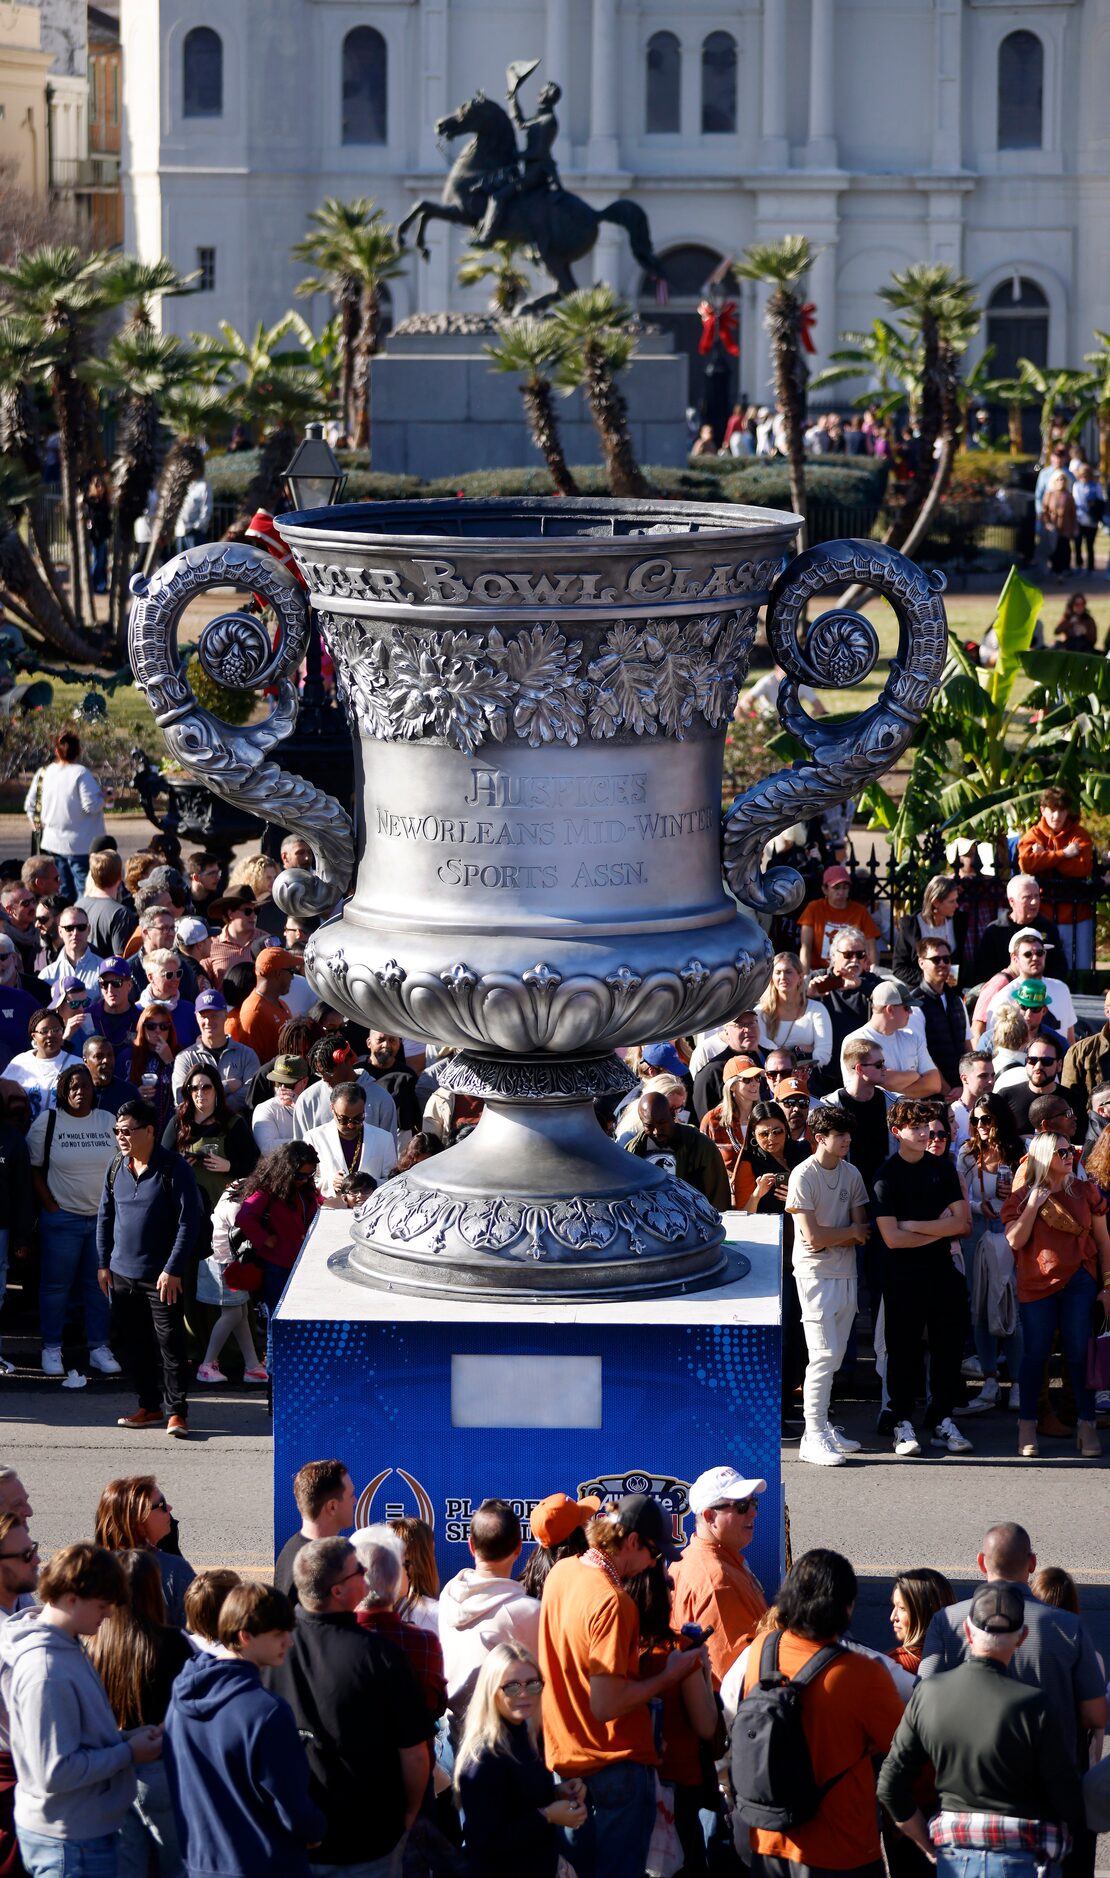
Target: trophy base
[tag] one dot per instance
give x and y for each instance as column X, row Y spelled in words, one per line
column 538, row 1201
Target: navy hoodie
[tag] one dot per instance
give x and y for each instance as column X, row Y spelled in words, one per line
column 237, row 1774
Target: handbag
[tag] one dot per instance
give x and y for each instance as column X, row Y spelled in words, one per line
column 665, row 1854
column 243, row 1275
column 212, row 1285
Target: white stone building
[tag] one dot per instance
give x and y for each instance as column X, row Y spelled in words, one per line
column 969, row 131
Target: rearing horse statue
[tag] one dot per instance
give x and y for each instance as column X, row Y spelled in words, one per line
column 559, row 227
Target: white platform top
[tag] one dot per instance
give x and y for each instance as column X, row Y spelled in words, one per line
column 317, row 1293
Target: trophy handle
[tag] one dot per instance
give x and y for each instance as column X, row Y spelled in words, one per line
column 235, row 651
column 838, row 649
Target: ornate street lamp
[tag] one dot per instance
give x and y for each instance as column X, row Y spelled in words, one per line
column 314, row 477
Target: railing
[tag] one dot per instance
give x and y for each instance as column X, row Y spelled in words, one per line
column 82, row 175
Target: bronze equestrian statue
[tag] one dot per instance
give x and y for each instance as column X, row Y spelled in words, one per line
column 507, row 194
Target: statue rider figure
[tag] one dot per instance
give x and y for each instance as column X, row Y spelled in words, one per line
column 539, row 170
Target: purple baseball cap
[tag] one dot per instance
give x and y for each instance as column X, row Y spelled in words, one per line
column 63, row 988
column 211, row 1001
column 115, row 968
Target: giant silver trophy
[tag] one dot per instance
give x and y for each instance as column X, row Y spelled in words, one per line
column 541, row 690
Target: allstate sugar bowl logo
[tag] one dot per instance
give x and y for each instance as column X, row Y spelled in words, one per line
column 672, row 1495
column 413, row 1503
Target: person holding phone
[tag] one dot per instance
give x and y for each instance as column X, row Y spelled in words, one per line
column 768, row 1158
column 714, row 1587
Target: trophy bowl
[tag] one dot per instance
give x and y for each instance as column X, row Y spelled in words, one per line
column 540, row 690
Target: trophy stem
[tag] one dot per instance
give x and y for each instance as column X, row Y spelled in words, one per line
column 537, row 1200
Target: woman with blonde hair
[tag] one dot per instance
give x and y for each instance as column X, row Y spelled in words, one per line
column 727, row 1124
column 788, row 1019
column 1009, row 1035
column 259, row 872
column 133, row 1514
column 512, row 1806
column 667, row 1085
column 940, row 918
column 1056, row 1226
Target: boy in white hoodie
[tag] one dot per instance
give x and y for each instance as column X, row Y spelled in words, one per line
column 482, row 1606
column 75, row 1771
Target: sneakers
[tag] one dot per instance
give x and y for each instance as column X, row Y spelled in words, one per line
column 102, row 1359
column 258, row 1373
column 52, row 1364
column 972, row 1367
column 987, row 1398
column 6, row 1368
column 210, row 1372
column 905, row 1440
column 842, row 1441
column 178, row 1427
column 947, row 1435
column 142, row 1418
column 817, row 1445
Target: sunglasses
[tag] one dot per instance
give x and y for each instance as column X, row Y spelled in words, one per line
column 125, row 1134
column 115, row 983
column 795, row 1102
column 851, row 955
column 937, row 1134
column 171, row 974
column 29, row 1552
column 1050, row 1060
column 43, row 919
column 160, row 1505
column 349, row 1121
column 531, row 1687
column 738, row 1506
column 82, row 927
column 937, row 958
column 152, row 1026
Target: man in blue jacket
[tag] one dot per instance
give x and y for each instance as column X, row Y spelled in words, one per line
column 237, row 1772
column 146, row 1230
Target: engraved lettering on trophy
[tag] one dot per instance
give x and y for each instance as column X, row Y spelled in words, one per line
column 501, row 789
column 656, row 579
column 455, row 872
column 460, row 831
column 611, row 874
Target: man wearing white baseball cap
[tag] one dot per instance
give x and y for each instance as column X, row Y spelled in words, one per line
column 713, row 1586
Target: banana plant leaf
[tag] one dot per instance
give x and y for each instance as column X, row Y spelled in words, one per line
column 1014, row 624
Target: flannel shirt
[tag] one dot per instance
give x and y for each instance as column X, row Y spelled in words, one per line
column 222, row 954
column 997, row 1832
column 423, row 1652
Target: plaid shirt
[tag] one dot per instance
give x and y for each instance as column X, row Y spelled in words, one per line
column 997, row 1832
column 423, row 1652
column 221, row 954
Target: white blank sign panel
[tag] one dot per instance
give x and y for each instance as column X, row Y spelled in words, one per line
column 526, row 1392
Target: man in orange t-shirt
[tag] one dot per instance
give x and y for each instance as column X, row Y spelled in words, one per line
column 821, row 920
column 713, row 1586
column 259, row 1019
column 596, row 1723
column 849, row 1714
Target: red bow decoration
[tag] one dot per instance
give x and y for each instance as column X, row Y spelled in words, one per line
column 721, row 326
column 805, row 325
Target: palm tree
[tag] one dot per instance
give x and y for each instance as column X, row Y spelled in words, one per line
column 26, row 356
column 783, row 266
column 64, row 292
column 22, row 588
column 187, row 411
column 533, row 349
column 595, row 327
column 499, row 265
column 885, row 358
column 1054, row 386
column 1017, row 394
column 273, row 391
column 940, row 315
column 354, row 252
column 1095, row 399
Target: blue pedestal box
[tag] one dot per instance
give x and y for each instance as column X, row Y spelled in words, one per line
column 435, row 1404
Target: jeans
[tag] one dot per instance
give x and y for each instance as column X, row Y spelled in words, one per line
column 72, row 873
column 977, row 1864
column 47, row 1857
column 150, row 1827
column 1069, row 1312
column 150, row 1337
column 614, row 1841
column 1078, row 938
column 69, row 1262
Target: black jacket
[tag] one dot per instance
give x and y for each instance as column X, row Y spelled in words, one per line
column 946, row 1029
column 501, row 1795
column 16, row 1216
column 904, row 956
column 356, row 1704
column 992, row 954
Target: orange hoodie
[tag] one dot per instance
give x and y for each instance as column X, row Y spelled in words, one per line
column 1053, row 860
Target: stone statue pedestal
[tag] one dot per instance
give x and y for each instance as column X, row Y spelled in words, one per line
column 440, row 409
column 434, row 1403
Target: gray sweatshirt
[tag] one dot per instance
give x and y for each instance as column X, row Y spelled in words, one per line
column 74, row 1768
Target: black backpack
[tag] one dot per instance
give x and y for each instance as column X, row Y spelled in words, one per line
column 772, row 1773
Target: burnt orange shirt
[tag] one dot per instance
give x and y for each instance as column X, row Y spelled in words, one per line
column 714, row 1586
column 258, row 1022
column 588, row 1628
column 827, row 921
column 848, row 1714
column 1051, row 1256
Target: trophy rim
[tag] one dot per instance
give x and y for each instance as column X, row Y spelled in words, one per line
column 692, row 522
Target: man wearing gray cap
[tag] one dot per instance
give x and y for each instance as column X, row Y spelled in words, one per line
column 1007, row 1783
column 910, row 1070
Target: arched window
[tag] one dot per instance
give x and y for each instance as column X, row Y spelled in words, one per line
column 1017, row 325
column 364, row 86
column 1020, row 92
column 664, row 79
column 203, row 67
column 718, row 85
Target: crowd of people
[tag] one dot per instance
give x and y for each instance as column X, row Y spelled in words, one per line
column 628, row 1703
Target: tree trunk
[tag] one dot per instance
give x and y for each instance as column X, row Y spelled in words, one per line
column 267, row 486
column 918, row 530
column 544, row 426
column 19, row 574
column 349, row 322
column 1103, row 443
column 184, row 463
column 132, row 480
column 73, row 526
column 46, row 561
column 1014, row 426
column 365, row 348
column 610, row 415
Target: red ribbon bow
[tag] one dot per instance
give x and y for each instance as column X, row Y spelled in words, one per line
column 720, row 325
column 805, row 325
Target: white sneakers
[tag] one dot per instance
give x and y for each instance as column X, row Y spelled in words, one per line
column 102, row 1359
column 819, row 1446
column 844, row 1442
column 987, row 1398
column 905, row 1440
column 52, row 1360
column 946, row 1435
column 971, row 1367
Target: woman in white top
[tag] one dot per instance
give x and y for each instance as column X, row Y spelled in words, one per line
column 788, row 1020
column 67, row 803
column 71, row 1149
column 37, row 1069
